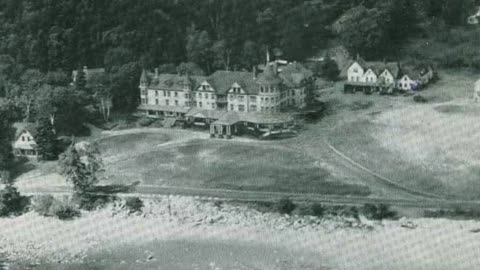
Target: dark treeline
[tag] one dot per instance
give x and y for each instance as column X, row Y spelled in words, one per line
column 63, row 34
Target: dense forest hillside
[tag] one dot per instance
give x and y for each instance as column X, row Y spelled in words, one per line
column 52, row 34
column 42, row 41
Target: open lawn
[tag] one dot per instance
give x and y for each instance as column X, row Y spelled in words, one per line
column 125, row 145
column 428, row 147
column 223, row 164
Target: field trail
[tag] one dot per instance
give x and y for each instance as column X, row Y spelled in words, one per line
column 439, row 138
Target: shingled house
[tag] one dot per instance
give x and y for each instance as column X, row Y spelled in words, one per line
column 227, row 99
column 384, row 77
column 25, row 144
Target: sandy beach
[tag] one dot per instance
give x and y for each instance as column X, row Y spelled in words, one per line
column 247, row 238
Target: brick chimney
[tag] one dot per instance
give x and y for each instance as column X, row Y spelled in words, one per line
column 156, row 73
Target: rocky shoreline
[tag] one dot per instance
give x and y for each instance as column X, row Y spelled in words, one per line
column 36, row 240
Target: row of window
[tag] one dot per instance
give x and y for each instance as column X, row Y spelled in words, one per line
column 267, row 89
column 367, row 79
column 26, row 138
column 176, row 94
column 200, row 105
column 205, row 95
column 241, row 98
column 253, row 108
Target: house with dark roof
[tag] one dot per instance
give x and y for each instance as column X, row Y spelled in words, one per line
column 25, row 144
column 227, row 94
column 384, row 77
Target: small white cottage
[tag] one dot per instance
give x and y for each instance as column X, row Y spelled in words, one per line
column 25, row 144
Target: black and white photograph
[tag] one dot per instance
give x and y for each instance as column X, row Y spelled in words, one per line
column 239, row 134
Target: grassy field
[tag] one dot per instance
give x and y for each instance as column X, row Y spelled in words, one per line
column 223, row 164
column 127, row 144
column 427, row 147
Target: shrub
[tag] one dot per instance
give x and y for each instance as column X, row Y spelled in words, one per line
column 91, row 201
column 12, row 202
column 42, row 205
column 285, row 206
column 317, row 210
column 361, row 105
column 64, row 209
column 420, row 99
column 379, row 212
column 145, row 122
column 134, row 205
column 48, row 206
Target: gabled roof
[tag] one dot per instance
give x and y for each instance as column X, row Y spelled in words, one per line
column 416, row 71
column 376, row 66
column 411, row 73
column 380, row 67
column 269, row 76
column 222, row 81
column 21, row 127
column 359, row 60
column 294, row 74
column 175, row 81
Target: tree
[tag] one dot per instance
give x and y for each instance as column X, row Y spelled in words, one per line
column 167, row 68
column 124, row 85
column 190, row 69
column 285, row 206
column 117, row 57
column 26, row 92
column 63, row 106
column 455, row 12
column 80, row 80
column 363, row 31
column 46, row 140
column 6, row 136
column 80, row 164
column 250, row 56
column 101, row 88
column 329, row 69
column 221, row 55
column 198, row 47
column 402, row 22
column 57, row 78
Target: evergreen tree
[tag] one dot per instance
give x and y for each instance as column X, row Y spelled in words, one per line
column 81, row 167
column 403, row 21
column 80, row 80
column 74, row 170
column 329, row 69
column 46, row 141
column 6, row 136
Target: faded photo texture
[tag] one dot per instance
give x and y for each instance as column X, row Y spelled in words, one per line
column 240, row 134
